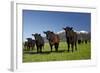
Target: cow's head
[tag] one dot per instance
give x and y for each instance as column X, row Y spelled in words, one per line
column 36, row 36
column 48, row 34
column 29, row 39
column 68, row 29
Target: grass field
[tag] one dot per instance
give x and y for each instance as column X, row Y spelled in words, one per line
column 83, row 52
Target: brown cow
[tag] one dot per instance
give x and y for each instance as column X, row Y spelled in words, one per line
column 53, row 39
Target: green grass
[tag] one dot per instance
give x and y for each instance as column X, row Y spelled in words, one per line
column 83, row 52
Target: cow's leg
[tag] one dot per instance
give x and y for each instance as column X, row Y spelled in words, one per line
column 72, row 46
column 27, row 48
column 43, row 46
column 56, row 46
column 30, row 48
column 68, row 47
column 75, row 46
column 51, row 47
column 37, row 49
column 33, row 47
column 40, row 49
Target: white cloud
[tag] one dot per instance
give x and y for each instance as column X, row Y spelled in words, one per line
column 78, row 32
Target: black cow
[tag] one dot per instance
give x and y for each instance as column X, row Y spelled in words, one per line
column 26, row 45
column 39, row 42
column 71, row 38
column 79, row 41
column 29, row 44
column 53, row 39
column 86, row 41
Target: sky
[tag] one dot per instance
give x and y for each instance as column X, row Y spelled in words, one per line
column 39, row 21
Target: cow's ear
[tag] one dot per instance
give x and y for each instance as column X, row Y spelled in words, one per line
column 32, row 34
column 64, row 28
column 44, row 32
column 39, row 34
column 27, row 38
column 71, row 28
column 51, row 31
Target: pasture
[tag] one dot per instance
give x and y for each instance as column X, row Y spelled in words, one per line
column 83, row 53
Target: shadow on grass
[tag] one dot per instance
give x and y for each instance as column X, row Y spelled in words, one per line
column 31, row 52
column 43, row 52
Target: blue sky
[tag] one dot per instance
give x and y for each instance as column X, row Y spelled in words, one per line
column 39, row 21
